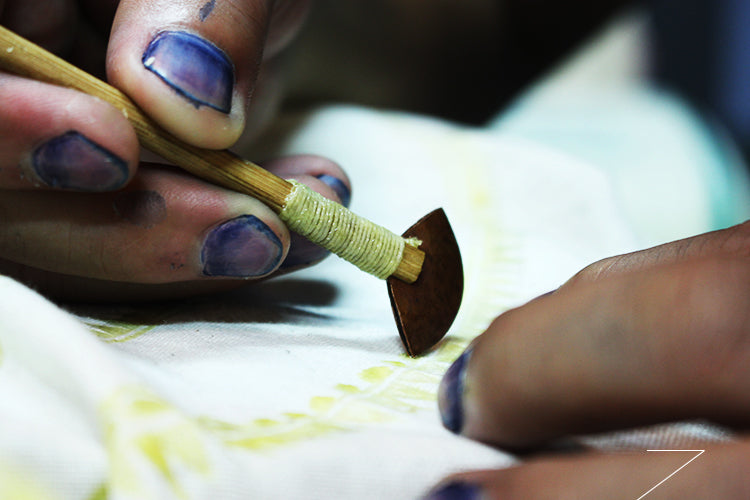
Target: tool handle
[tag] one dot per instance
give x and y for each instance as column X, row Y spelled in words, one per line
column 22, row 57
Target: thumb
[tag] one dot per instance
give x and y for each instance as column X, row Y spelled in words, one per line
column 191, row 64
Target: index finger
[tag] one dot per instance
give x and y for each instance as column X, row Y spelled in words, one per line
column 660, row 344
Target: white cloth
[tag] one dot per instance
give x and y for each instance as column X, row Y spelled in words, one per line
column 297, row 387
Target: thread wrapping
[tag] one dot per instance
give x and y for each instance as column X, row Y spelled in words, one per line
column 370, row 247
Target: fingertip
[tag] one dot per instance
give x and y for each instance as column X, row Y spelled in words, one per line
column 74, row 162
column 242, row 247
column 182, row 80
column 192, row 66
column 53, row 137
column 455, row 490
column 248, row 242
column 451, row 394
column 94, row 149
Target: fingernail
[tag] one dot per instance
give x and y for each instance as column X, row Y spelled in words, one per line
column 242, row 248
column 338, row 186
column 193, row 67
column 72, row 161
column 450, row 394
column 456, row 490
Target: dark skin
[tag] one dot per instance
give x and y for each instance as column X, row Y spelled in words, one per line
column 644, row 338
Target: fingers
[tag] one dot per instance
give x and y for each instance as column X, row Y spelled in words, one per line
column 654, row 336
column 662, row 343
column 720, row 472
column 193, row 65
column 164, row 228
column 52, row 137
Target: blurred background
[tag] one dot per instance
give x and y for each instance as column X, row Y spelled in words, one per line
column 654, row 93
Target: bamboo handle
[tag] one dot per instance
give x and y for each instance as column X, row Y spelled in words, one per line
column 18, row 55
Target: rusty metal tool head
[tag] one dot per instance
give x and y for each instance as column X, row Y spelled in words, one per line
column 425, row 281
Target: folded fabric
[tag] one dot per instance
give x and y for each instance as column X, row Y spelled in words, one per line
column 296, row 387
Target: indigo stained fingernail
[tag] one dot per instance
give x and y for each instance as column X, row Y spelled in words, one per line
column 456, row 490
column 242, row 247
column 72, row 161
column 450, row 394
column 338, row 186
column 193, row 67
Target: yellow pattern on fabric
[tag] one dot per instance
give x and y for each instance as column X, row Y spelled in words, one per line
column 370, row 247
column 407, row 385
column 116, row 331
column 14, row 485
column 386, row 392
column 101, row 493
column 146, row 437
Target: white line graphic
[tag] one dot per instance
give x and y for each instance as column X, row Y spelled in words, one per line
column 698, row 453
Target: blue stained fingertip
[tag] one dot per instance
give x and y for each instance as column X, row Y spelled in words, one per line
column 192, row 66
column 451, row 391
column 456, row 490
column 72, row 161
column 242, row 247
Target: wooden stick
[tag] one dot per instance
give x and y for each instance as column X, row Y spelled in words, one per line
column 20, row 56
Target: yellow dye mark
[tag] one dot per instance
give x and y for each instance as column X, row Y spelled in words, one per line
column 296, row 416
column 397, row 364
column 146, row 407
column 283, row 435
column 322, row 404
column 266, row 422
column 377, row 374
column 152, row 447
column 450, row 350
column 348, row 389
column 101, row 493
column 116, row 331
column 14, row 484
column 146, row 438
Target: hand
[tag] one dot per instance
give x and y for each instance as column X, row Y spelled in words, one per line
column 655, row 336
column 78, row 217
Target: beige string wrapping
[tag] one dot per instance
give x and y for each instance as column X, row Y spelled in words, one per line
column 372, row 248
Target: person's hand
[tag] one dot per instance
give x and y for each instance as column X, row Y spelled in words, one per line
column 651, row 337
column 78, row 217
